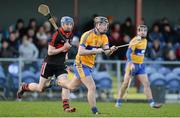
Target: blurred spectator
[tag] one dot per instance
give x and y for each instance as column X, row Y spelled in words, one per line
column 128, row 28
column 115, row 38
column 13, row 41
column 42, row 38
column 48, row 35
column 169, row 34
column 115, row 27
column 177, row 30
column 47, row 26
column 32, row 36
column 27, row 49
column 155, row 52
column 164, row 21
column 74, row 49
column 20, row 27
column 122, row 51
column 7, row 51
column 178, row 53
column 162, row 38
column 167, row 47
column 156, row 33
column 31, row 33
column 115, row 34
column 40, row 32
column 1, row 35
column 170, row 55
column 42, row 44
column 32, row 24
column 7, row 33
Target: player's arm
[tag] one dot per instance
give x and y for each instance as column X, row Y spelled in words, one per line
column 130, row 64
column 106, row 46
column 83, row 51
column 131, row 49
column 51, row 47
column 109, row 52
column 66, row 58
column 53, row 51
column 84, row 43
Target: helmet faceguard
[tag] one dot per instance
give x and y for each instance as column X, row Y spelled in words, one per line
column 66, row 20
column 102, row 23
column 142, row 30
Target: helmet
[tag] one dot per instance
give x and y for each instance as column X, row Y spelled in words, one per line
column 100, row 19
column 66, row 19
column 144, row 27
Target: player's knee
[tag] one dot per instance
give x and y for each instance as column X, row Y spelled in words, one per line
column 92, row 88
column 70, row 87
column 60, row 82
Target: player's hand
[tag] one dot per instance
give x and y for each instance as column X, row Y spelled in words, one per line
column 99, row 50
column 138, row 38
column 66, row 46
column 69, row 69
column 113, row 48
column 134, row 42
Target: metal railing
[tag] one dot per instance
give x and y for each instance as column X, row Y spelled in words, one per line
column 117, row 62
column 118, row 69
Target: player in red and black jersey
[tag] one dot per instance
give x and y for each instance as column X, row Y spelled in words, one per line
column 54, row 63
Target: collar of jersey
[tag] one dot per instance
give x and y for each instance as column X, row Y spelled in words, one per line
column 67, row 35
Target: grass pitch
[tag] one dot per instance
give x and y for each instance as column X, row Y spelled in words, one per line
column 107, row 109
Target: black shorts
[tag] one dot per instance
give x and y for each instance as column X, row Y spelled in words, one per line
column 48, row 70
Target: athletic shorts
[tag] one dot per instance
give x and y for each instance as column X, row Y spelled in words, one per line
column 139, row 69
column 48, row 70
column 81, row 71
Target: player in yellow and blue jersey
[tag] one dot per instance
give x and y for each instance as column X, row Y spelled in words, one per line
column 92, row 42
column 136, row 67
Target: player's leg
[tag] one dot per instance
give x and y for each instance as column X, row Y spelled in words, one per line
column 44, row 80
column 34, row 87
column 84, row 73
column 63, row 79
column 144, row 80
column 123, row 88
column 70, row 84
column 147, row 90
column 91, row 95
column 142, row 76
column 65, row 101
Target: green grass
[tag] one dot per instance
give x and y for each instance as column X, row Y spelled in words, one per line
column 51, row 109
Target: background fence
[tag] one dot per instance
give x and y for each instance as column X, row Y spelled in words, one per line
column 164, row 79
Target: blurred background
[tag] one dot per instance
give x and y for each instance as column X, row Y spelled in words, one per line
column 21, row 25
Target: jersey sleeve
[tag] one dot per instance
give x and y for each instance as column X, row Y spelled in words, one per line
column 105, row 41
column 130, row 49
column 84, row 39
column 128, row 54
column 53, row 39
